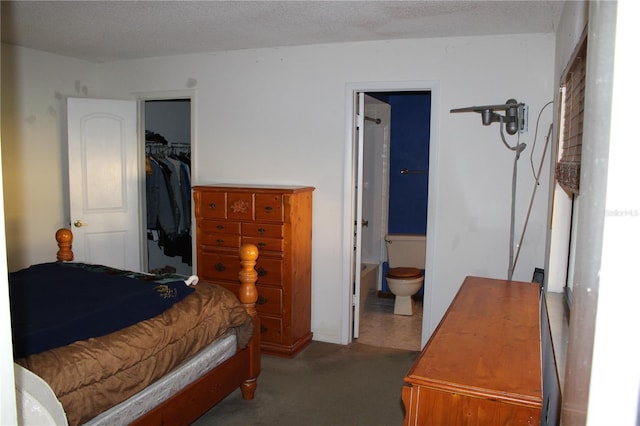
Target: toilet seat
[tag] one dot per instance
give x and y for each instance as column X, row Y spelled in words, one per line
column 404, row 273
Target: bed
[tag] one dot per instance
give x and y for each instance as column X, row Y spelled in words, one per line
column 167, row 369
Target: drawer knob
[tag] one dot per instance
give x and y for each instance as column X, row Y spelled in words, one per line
column 219, row 241
column 261, row 230
column 220, row 267
column 261, row 300
column 220, row 226
column 268, row 208
column 263, row 329
column 262, row 245
column 261, row 271
column 212, row 205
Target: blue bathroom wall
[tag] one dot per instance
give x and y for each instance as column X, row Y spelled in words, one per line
column 410, row 137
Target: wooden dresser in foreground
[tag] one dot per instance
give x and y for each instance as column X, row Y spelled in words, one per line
column 278, row 221
column 482, row 365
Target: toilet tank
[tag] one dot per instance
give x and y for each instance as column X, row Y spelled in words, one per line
column 406, row 250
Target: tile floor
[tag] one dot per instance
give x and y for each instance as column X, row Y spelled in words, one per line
column 380, row 327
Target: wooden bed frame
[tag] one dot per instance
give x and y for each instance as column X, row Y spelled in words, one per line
column 241, row 370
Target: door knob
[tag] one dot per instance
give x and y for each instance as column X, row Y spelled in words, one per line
column 79, row 223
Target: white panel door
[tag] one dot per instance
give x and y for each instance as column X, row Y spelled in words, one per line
column 104, row 182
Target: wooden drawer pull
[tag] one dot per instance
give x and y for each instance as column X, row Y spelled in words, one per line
column 220, row 267
column 261, row 271
column 261, row 300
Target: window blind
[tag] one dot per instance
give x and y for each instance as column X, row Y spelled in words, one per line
column 571, row 119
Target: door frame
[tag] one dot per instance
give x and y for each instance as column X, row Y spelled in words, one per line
column 141, row 98
column 349, row 217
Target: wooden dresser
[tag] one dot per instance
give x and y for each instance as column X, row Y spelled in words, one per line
column 278, row 221
column 482, row 365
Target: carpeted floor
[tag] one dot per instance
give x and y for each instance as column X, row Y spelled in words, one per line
column 325, row 385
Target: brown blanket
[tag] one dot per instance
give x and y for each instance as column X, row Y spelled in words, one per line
column 93, row 375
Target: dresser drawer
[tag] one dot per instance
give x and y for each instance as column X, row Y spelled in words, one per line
column 270, row 329
column 215, row 233
column 212, row 205
column 269, row 207
column 240, row 205
column 219, row 227
column 269, row 271
column 220, row 240
column 269, row 300
column 265, row 244
column 263, row 230
column 218, row 266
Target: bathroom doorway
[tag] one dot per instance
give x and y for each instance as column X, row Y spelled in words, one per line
column 392, row 198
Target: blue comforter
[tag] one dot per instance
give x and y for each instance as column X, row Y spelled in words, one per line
column 55, row 304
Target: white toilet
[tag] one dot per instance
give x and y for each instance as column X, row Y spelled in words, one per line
column 406, row 255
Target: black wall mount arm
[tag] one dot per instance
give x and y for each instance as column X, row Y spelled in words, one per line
column 514, row 118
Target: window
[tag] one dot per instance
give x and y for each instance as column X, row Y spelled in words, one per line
column 571, row 120
column 567, row 170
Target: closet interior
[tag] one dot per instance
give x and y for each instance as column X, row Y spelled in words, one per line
column 168, row 186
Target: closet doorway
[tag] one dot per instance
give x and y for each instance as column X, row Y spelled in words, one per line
column 167, row 144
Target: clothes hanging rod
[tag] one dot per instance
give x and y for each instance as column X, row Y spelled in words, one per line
column 155, row 147
column 168, row 143
column 375, row 120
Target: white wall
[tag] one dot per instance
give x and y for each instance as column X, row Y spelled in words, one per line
column 8, row 412
column 34, row 90
column 616, row 357
column 278, row 116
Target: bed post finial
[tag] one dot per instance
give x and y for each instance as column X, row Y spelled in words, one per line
column 64, row 237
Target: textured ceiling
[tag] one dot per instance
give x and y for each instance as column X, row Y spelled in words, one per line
column 114, row 30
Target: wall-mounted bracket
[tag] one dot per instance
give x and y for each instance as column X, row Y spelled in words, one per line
column 515, row 118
